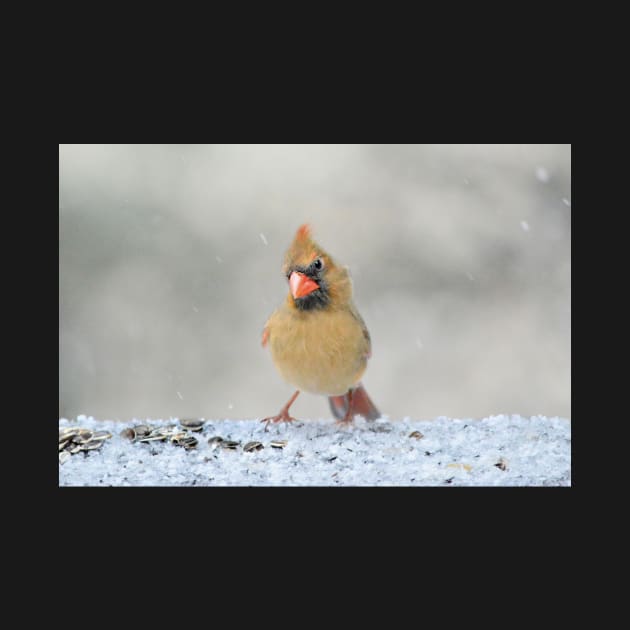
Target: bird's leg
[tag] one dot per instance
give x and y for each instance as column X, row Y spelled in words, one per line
column 283, row 416
column 349, row 417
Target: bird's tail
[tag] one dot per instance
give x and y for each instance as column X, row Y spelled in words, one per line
column 361, row 404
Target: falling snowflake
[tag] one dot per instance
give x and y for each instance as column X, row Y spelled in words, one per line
column 542, row 174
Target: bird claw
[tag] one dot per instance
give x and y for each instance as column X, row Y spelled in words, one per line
column 281, row 417
column 345, row 422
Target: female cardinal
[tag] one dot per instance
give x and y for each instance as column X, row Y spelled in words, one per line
column 318, row 340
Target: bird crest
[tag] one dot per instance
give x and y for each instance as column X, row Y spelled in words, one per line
column 303, row 250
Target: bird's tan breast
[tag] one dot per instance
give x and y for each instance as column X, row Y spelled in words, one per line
column 322, row 352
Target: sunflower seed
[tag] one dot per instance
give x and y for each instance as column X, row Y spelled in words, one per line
column 66, row 434
column 154, row 438
column 157, row 434
column 189, row 443
column 278, row 443
column 74, row 448
column 128, row 434
column 416, row 434
column 231, row 445
column 82, row 437
column 91, row 446
column 253, row 446
column 177, row 437
column 141, row 430
column 63, row 445
column 101, row 435
column 215, row 441
column 64, row 457
column 192, row 424
column 181, row 439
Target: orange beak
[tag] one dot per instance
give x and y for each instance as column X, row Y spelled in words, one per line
column 301, row 285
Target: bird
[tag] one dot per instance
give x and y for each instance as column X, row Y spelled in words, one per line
column 318, row 341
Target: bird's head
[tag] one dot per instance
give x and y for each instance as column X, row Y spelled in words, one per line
column 315, row 281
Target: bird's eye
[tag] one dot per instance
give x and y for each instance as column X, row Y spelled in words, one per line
column 318, row 264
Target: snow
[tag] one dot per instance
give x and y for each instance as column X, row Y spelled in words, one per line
column 566, row 202
column 525, row 226
column 263, row 239
column 542, row 174
column 535, row 451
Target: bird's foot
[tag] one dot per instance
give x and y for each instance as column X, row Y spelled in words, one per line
column 346, row 421
column 283, row 416
column 348, row 418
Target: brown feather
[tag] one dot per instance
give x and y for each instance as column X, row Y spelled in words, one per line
column 322, row 352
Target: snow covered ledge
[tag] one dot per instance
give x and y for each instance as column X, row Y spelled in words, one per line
column 496, row 451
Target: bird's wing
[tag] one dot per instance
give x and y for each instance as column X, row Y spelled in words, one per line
column 366, row 334
column 267, row 328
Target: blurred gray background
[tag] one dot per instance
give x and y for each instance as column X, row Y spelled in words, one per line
column 170, row 256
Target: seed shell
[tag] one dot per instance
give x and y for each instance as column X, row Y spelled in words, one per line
column 192, row 424
column 253, row 446
column 231, row 445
